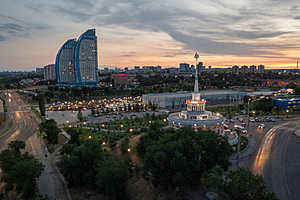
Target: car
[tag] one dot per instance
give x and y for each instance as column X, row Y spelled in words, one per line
column 251, row 119
column 241, row 119
column 256, row 119
column 273, row 120
column 244, row 132
column 243, row 125
column 261, row 126
column 268, row 119
column 232, row 120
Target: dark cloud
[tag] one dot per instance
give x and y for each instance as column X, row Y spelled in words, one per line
column 234, row 28
column 257, row 34
column 18, row 28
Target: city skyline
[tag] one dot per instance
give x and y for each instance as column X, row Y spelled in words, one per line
column 144, row 32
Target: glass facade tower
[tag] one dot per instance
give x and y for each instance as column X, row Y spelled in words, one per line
column 64, row 64
column 77, row 60
column 86, row 59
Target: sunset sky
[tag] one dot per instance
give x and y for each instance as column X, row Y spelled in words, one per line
column 153, row 32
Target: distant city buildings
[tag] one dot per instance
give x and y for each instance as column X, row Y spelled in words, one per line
column 77, row 60
column 124, row 80
column 261, row 68
column 184, row 67
column 252, row 69
column 49, row 73
column 39, row 70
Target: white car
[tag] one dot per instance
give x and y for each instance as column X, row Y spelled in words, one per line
column 261, row 126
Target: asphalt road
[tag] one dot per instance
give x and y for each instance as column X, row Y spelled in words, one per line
column 25, row 127
column 24, row 123
column 277, row 160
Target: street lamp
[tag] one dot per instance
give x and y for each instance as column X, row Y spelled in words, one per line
column 131, row 130
column 90, row 137
column 103, row 143
column 129, row 150
column 121, row 125
column 238, row 146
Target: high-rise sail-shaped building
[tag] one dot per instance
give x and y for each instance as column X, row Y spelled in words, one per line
column 86, row 59
column 64, row 64
column 77, row 60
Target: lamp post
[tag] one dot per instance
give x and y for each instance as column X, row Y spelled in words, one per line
column 238, row 147
column 248, row 116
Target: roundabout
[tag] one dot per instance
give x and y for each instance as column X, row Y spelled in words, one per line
column 195, row 114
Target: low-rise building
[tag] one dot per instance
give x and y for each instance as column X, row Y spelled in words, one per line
column 124, row 80
column 50, row 72
column 286, row 103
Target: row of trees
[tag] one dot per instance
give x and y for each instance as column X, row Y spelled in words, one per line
column 19, row 171
column 49, row 130
column 236, row 185
column 85, row 164
column 180, row 158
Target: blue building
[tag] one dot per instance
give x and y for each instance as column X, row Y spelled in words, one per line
column 286, row 103
column 86, row 59
column 64, row 64
column 77, row 61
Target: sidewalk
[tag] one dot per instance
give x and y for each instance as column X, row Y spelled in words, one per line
column 51, row 182
column 246, row 153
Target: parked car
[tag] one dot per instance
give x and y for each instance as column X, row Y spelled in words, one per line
column 261, row 126
column 251, row 119
column 243, row 125
column 256, row 119
column 244, row 132
column 268, row 119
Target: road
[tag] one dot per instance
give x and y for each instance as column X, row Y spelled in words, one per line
column 25, row 127
column 277, row 160
column 24, row 122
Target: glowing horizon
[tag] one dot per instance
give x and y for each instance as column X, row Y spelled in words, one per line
column 141, row 33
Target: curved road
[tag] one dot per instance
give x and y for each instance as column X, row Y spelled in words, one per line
column 25, row 127
column 24, row 122
column 278, row 161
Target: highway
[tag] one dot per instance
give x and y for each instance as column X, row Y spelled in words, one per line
column 277, row 160
column 24, row 122
column 25, row 127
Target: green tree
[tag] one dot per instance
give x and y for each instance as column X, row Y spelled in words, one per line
column 20, row 170
column 42, row 104
column 264, row 105
column 297, row 91
column 111, row 178
column 179, row 157
column 213, row 179
column 16, row 146
column 49, row 127
column 242, row 184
